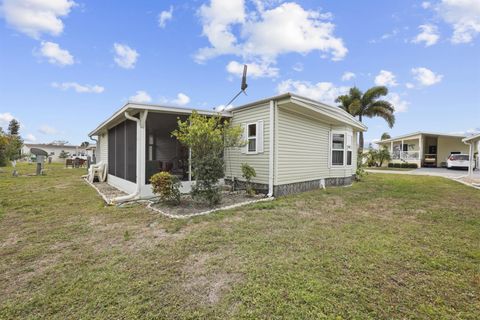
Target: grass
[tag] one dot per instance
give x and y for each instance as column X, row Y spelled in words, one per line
column 392, row 246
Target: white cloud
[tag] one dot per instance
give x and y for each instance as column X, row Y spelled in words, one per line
column 399, row 104
column 263, row 34
column 348, row 76
column 254, row 70
column 429, row 35
column 55, row 54
column 34, row 17
column 426, row 4
column 141, row 97
column 125, row 56
column 464, row 16
column 325, row 92
column 78, row 87
column 298, row 67
column 6, row 117
column 385, row 78
column 30, row 138
column 165, row 16
column 409, row 85
column 426, row 77
column 181, row 100
column 46, row 129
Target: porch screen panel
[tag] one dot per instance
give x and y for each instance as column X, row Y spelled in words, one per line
column 111, row 151
column 131, row 151
column 120, row 140
column 122, row 151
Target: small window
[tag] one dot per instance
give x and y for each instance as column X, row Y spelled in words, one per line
column 349, row 158
column 338, row 145
column 252, row 137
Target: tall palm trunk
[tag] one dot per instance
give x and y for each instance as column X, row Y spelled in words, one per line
column 360, row 147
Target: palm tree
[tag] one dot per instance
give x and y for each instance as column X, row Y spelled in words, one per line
column 385, row 136
column 367, row 104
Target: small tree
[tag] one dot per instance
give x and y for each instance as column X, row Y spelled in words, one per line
column 207, row 138
column 385, row 136
column 248, row 172
column 383, row 155
column 63, row 154
column 167, row 187
column 13, row 127
column 84, row 144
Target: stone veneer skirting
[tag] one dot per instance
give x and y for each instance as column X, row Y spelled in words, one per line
column 297, row 187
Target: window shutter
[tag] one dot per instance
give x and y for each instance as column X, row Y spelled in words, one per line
column 260, row 136
column 244, row 138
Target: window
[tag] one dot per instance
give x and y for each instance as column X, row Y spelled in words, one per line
column 338, row 145
column 252, row 137
column 349, row 149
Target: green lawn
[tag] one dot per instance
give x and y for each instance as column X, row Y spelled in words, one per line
column 392, row 246
column 389, row 169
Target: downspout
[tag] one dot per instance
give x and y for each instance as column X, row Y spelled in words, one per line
column 140, row 135
column 271, row 154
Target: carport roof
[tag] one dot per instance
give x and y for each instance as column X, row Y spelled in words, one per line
column 425, row 133
column 472, row 138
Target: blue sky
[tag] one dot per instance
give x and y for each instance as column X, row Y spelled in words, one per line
column 67, row 65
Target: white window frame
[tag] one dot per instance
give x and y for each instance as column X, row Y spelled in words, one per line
column 331, row 148
column 252, row 137
column 346, row 148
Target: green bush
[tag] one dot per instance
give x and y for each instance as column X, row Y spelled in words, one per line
column 412, row 165
column 390, row 165
column 248, row 172
column 397, row 165
column 167, row 187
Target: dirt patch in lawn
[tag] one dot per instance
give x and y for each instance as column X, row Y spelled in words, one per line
column 206, row 280
column 189, row 206
column 132, row 237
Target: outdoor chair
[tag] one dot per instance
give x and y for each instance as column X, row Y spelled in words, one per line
column 97, row 170
column 69, row 162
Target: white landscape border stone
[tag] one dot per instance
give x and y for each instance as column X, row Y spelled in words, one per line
column 185, row 216
column 98, row 190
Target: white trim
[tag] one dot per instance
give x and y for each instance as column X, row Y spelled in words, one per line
column 122, row 184
column 252, row 137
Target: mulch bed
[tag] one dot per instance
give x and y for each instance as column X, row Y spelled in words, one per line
column 188, row 206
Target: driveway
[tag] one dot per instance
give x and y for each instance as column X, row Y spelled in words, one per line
column 455, row 174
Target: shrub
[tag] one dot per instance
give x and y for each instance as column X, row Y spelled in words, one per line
column 207, row 137
column 167, row 187
column 413, row 165
column 360, row 172
column 390, row 165
column 397, row 165
column 248, row 172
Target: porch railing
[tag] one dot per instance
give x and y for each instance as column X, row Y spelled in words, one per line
column 405, row 155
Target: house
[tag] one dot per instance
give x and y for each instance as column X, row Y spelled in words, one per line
column 293, row 143
column 473, row 143
column 90, row 150
column 54, row 150
column 424, row 148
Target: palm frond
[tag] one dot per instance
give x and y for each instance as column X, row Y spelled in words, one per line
column 373, row 94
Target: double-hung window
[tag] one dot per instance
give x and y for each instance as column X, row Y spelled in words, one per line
column 349, row 149
column 252, row 137
column 338, row 149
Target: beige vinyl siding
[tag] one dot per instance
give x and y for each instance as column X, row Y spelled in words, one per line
column 259, row 162
column 103, row 144
column 303, row 147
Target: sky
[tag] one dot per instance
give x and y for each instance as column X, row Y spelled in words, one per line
column 67, row 65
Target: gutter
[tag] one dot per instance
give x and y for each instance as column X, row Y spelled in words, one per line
column 271, row 171
column 140, row 129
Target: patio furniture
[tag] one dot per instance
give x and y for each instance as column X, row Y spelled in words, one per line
column 68, row 162
column 98, row 170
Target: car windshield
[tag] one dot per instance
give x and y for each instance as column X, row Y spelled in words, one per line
column 459, row 157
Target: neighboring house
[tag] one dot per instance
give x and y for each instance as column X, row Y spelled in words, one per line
column 53, row 150
column 424, row 148
column 90, row 150
column 473, row 143
column 293, row 143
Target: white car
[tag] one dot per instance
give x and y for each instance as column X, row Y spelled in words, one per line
column 458, row 161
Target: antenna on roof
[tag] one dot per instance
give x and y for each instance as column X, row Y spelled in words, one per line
column 243, row 86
